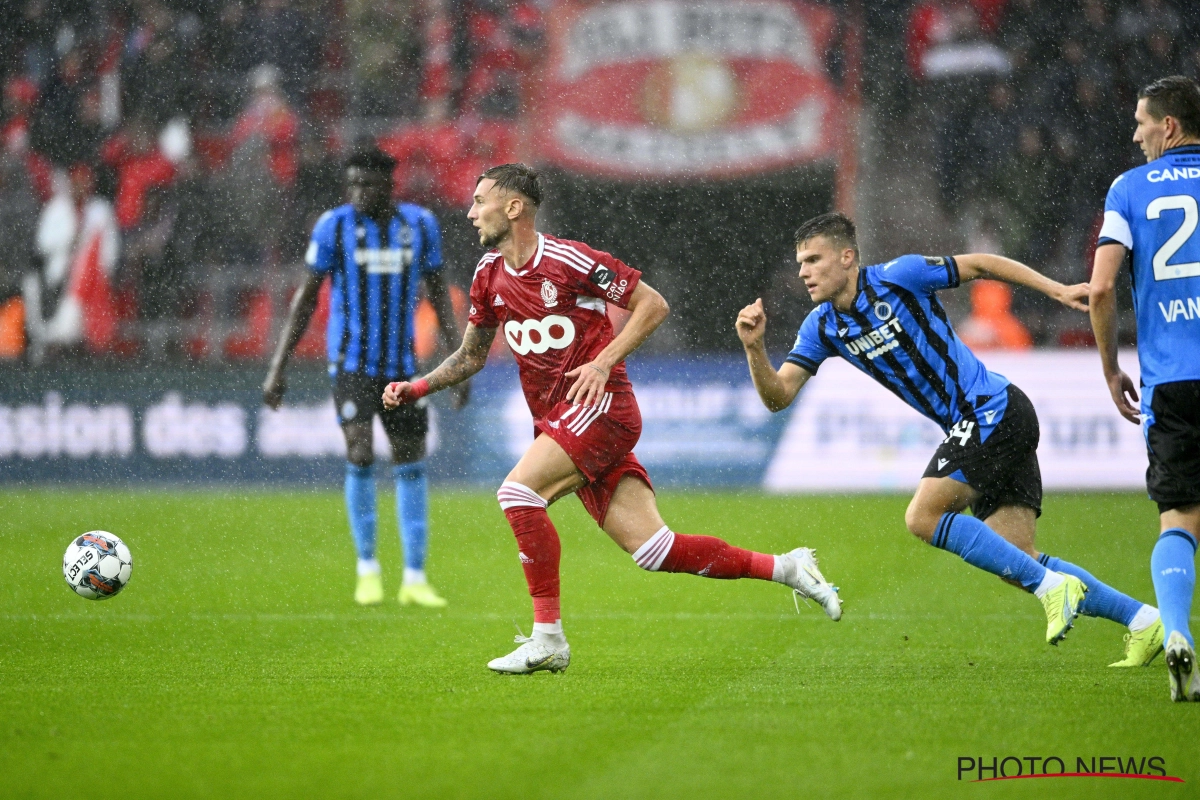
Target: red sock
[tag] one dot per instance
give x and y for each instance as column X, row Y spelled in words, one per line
column 540, row 550
column 706, row 556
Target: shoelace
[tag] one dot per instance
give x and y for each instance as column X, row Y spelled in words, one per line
column 521, row 638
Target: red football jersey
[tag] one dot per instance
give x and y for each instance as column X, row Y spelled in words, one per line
column 553, row 313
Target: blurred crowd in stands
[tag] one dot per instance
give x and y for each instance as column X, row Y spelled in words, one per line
column 1031, row 108
column 162, row 161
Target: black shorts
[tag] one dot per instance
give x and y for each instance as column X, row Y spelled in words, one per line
column 358, row 397
column 1003, row 468
column 1172, row 426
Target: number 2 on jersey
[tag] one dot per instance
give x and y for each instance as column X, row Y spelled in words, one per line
column 1191, row 215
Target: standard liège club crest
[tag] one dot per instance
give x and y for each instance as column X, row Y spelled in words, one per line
column 549, row 294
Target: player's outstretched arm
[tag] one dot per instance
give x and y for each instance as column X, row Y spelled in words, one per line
column 1102, row 307
column 648, row 310
column 777, row 390
column 304, row 302
column 439, row 298
column 464, row 362
column 986, row 265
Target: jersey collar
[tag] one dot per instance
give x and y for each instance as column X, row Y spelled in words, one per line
column 1183, row 148
column 533, row 263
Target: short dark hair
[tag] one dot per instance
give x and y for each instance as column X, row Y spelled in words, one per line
column 1174, row 96
column 520, row 178
column 372, row 159
column 835, row 226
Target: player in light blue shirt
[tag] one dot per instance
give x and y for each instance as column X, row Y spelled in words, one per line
column 1150, row 220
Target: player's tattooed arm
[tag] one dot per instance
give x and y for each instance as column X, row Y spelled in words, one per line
column 777, row 390
column 439, row 298
column 1102, row 307
column 464, row 362
column 647, row 309
column 304, row 302
column 986, row 265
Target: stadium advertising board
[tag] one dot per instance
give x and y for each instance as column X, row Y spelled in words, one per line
column 850, row 434
column 703, row 426
column 678, row 88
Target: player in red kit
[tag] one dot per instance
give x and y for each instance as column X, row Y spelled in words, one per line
column 550, row 296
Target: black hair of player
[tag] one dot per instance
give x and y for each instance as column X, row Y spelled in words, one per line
column 1177, row 97
column 520, row 178
column 834, row 226
column 371, row 159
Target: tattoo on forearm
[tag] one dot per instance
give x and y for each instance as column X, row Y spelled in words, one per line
column 468, row 359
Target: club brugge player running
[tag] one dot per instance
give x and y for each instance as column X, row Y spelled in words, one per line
column 550, row 296
column 887, row 321
column 1152, row 212
column 377, row 253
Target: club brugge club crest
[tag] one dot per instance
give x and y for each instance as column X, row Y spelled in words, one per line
column 686, row 87
column 549, row 294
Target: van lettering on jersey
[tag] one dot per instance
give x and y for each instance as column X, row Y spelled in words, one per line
column 1177, row 310
column 1178, row 173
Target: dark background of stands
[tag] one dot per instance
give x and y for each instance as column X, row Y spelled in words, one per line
column 215, row 130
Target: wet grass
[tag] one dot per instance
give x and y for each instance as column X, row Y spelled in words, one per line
column 237, row 665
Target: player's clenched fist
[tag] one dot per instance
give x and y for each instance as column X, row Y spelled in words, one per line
column 752, row 323
column 398, row 393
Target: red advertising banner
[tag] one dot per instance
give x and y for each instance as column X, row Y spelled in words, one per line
column 685, row 88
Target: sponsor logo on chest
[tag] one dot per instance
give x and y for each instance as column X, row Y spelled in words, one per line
column 877, row 341
column 554, row 332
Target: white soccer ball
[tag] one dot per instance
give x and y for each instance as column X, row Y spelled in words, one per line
column 97, row 565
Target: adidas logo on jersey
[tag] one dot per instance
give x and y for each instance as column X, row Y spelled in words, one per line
column 499, row 301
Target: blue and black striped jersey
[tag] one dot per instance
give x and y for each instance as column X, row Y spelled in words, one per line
column 899, row 334
column 376, row 274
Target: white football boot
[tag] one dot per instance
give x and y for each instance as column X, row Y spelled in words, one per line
column 532, row 656
column 800, row 572
column 1182, row 670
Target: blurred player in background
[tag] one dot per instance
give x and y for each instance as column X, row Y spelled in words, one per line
column 1151, row 213
column 377, row 253
column 551, row 297
column 886, row 320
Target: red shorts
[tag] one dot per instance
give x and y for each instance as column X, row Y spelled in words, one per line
column 599, row 441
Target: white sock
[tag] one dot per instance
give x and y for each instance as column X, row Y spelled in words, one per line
column 412, row 576
column 777, row 570
column 1144, row 618
column 1052, row 580
column 368, row 566
column 549, row 633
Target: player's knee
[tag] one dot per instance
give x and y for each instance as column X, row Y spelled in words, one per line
column 920, row 522
column 513, row 495
column 360, row 456
column 359, row 451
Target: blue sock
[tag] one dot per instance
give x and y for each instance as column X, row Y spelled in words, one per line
column 980, row 546
column 1173, row 568
column 360, row 506
column 412, row 504
column 1101, row 599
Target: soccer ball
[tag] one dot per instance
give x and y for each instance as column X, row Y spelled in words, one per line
column 97, row 565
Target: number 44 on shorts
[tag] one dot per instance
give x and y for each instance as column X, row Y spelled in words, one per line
column 961, row 431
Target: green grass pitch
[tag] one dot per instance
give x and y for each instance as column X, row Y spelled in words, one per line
column 236, row 664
